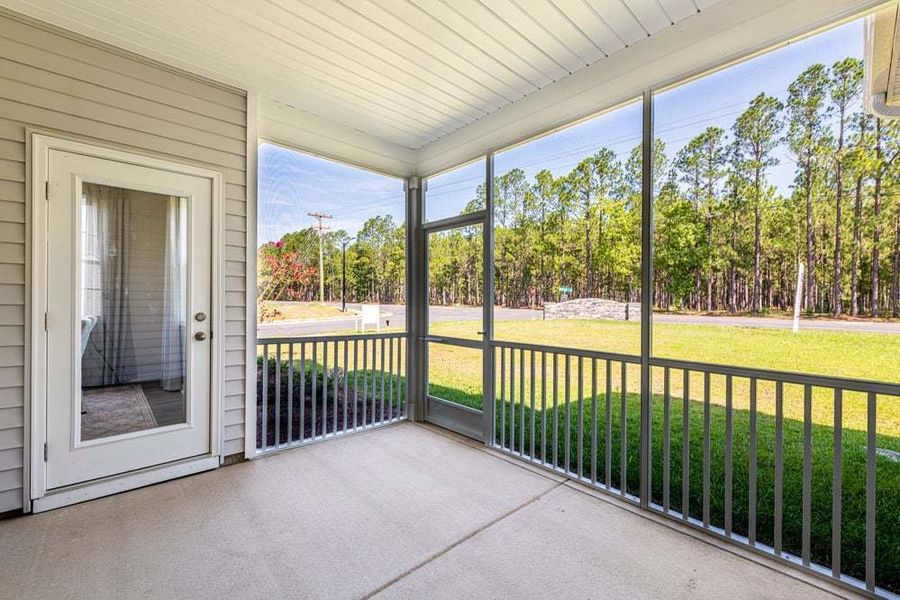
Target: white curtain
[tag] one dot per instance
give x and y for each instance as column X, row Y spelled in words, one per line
column 175, row 295
column 105, row 264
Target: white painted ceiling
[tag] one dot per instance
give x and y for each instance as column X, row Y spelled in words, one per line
column 413, row 87
column 407, row 72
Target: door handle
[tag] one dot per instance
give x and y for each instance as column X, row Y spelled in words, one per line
column 200, row 336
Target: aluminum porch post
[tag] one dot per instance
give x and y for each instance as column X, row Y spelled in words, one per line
column 646, row 291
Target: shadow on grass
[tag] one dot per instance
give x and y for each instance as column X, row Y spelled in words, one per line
column 853, row 461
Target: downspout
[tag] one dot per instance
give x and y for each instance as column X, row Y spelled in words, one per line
column 875, row 103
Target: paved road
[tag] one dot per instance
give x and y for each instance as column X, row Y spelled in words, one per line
column 394, row 315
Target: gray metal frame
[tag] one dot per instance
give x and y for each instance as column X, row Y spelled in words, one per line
column 461, row 419
column 646, row 289
column 504, row 386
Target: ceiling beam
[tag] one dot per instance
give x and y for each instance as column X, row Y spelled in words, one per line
column 288, row 126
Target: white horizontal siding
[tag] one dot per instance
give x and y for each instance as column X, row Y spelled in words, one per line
column 60, row 84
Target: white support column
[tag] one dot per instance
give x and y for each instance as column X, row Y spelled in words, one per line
column 251, row 200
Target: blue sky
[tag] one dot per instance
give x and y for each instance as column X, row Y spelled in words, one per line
column 292, row 184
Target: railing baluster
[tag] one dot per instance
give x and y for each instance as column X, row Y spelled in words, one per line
column 495, row 418
column 265, row 398
column 807, row 473
column 533, row 391
column 522, row 402
column 779, row 465
column 729, row 453
column 324, row 389
column 555, row 410
column 568, row 399
column 346, row 383
column 706, row 471
column 392, row 379
column 580, row 437
column 594, row 416
column 290, row 395
column 365, row 378
column 335, row 392
column 314, row 374
column 623, row 433
column 607, row 439
column 502, row 398
column 836, row 485
column 302, row 391
column 666, row 439
column 277, row 396
column 381, row 377
column 543, row 407
column 401, row 400
column 355, row 384
column 512, row 400
column 686, row 449
column 751, row 476
column 870, row 491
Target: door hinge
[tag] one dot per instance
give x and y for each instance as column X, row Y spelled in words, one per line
column 45, row 321
column 47, row 190
column 45, row 451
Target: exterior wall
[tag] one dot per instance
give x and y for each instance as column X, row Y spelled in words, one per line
column 66, row 86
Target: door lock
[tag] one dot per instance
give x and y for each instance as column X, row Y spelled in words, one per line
column 200, row 317
column 200, row 336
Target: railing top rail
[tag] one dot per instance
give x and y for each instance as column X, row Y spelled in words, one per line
column 825, row 381
column 626, row 358
column 349, row 337
column 854, row 385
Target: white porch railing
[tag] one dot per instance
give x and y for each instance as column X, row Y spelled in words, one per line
column 313, row 388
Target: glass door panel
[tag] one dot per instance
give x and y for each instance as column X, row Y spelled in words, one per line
column 132, row 325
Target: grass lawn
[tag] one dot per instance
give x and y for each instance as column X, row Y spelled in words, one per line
column 291, row 311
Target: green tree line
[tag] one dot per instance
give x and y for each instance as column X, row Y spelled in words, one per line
column 725, row 238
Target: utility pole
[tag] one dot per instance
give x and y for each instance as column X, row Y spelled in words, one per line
column 344, row 273
column 321, row 229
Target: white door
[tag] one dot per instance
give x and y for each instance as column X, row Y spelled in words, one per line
column 128, row 297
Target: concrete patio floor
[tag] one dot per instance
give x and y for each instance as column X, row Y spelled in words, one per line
column 408, row 511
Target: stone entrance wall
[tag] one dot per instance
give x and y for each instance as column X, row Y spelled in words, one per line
column 593, row 308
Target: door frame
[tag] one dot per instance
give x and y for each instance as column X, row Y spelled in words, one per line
column 462, row 419
column 35, row 489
